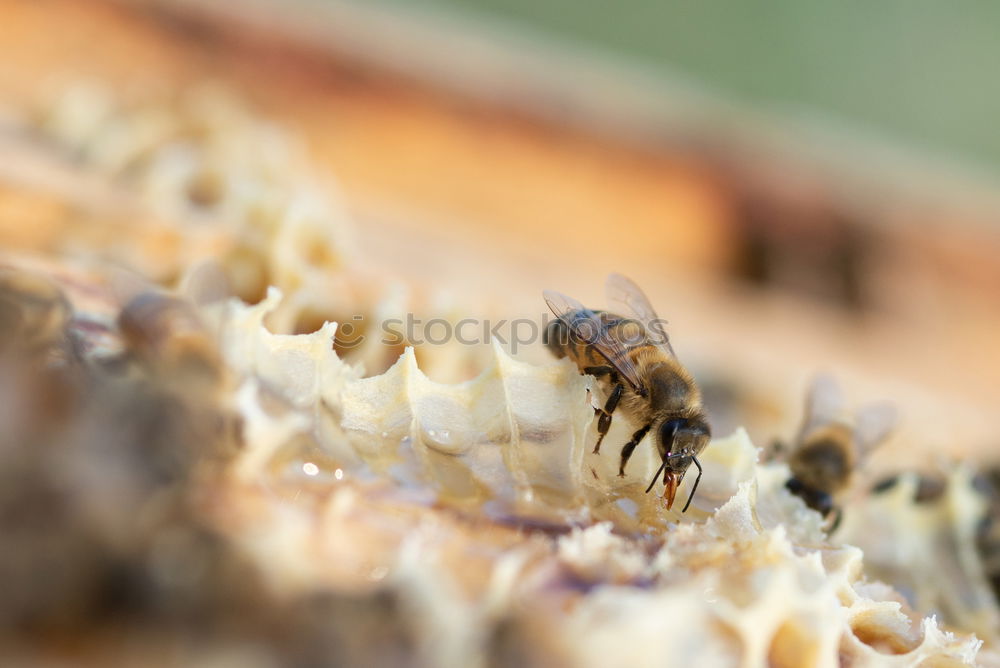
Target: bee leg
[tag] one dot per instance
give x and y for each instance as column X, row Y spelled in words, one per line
column 777, row 452
column 837, row 516
column 629, row 447
column 597, row 370
column 604, row 416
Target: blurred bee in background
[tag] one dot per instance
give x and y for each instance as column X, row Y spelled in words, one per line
column 988, row 531
column 930, row 486
column 830, row 447
column 34, row 313
column 633, row 361
column 941, row 525
column 164, row 331
column 934, row 488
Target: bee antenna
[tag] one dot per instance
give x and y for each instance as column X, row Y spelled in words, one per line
column 656, row 475
column 695, row 487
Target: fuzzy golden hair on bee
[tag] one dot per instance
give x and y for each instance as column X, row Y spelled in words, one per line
column 630, row 356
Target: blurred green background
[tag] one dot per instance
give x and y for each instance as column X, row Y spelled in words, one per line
column 920, row 73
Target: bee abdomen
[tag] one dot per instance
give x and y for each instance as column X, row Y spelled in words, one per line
column 822, row 464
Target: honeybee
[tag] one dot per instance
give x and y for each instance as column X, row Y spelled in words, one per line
column 988, row 531
column 830, row 447
column 937, row 488
column 631, row 357
column 34, row 312
column 164, row 332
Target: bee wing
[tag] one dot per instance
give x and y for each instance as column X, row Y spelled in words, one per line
column 624, row 294
column 873, row 424
column 824, row 402
column 589, row 327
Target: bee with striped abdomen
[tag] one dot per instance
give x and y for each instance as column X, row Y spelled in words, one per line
column 830, row 446
column 631, row 357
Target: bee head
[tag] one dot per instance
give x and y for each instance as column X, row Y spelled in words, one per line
column 816, row 499
column 679, row 441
